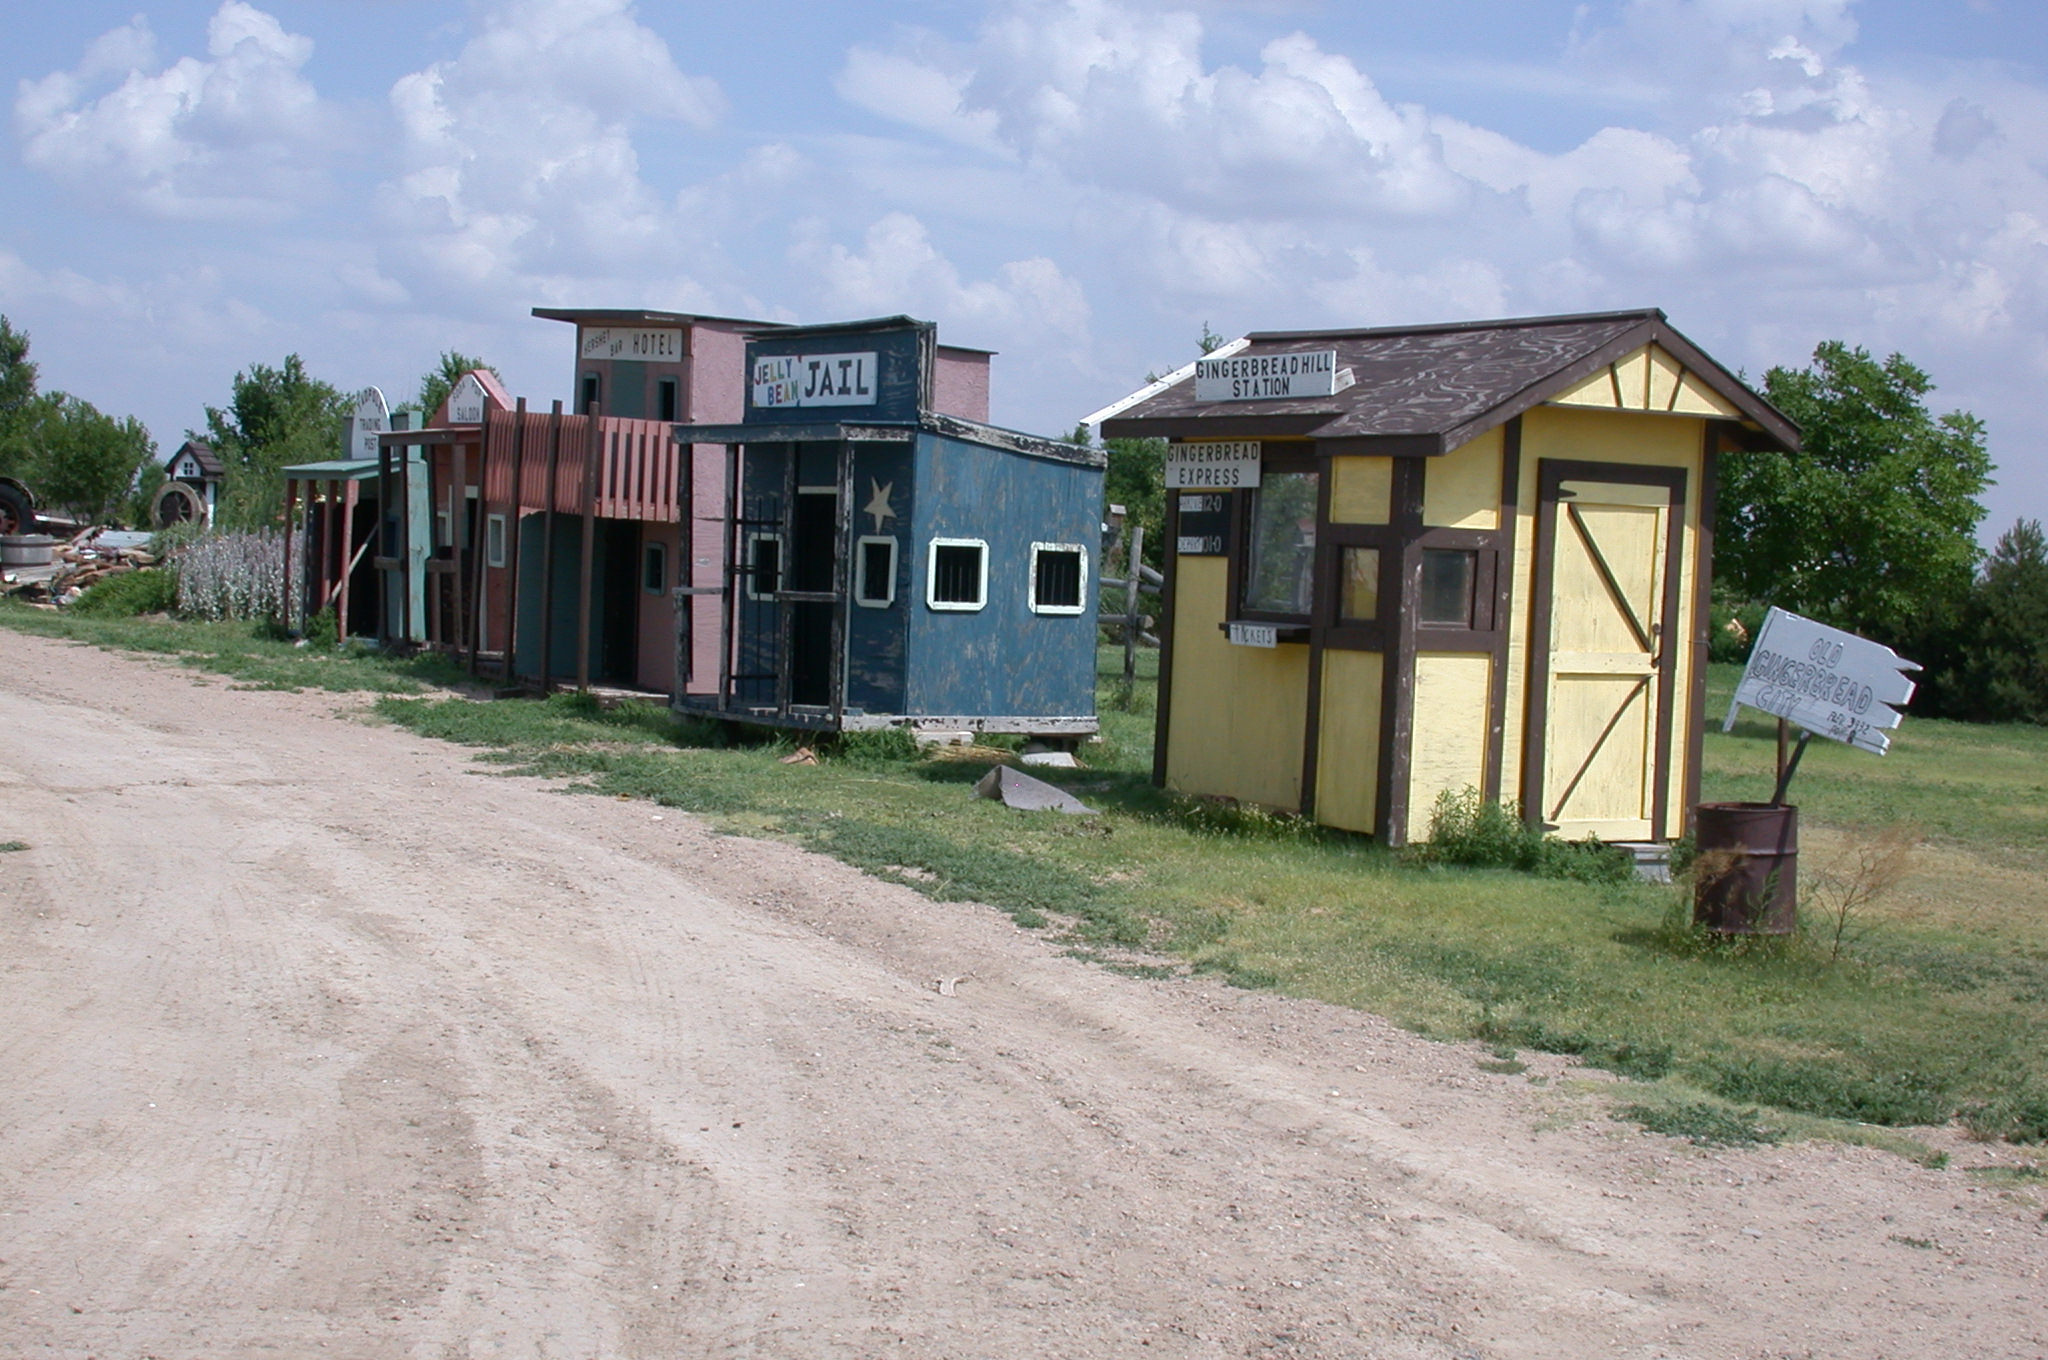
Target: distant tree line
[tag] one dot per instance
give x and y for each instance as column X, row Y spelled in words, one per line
column 101, row 470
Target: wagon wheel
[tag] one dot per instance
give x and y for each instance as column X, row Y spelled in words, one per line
column 177, row 503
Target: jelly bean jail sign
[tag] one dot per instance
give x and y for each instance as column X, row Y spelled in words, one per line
column 1833, row 684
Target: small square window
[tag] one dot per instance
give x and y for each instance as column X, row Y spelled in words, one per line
column 1358, row 596
column 874, row 574
column 763, row 566
column 593, row 388
column 956, row 577
column 654, row 568
column 494, row 540
column 1448, row 578
column 1059, row 578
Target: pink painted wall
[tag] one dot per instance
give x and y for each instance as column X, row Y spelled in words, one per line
column 656, row 667
column 718, row 377
column 960, row 386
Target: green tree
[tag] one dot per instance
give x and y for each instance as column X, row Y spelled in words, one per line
column 82, row 460
column 276, row 417
column 1871, row 526
column 1987, row 660
column 1136, row 480
column 436, row 383
column 17, row 398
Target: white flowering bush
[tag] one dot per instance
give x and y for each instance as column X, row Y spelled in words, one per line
column 237, row 575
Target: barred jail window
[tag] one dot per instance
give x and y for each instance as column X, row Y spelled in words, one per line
column 764, row 566
column 956, row 577
column 874, row 575
column 1059, row 577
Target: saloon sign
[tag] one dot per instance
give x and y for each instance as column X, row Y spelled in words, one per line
column 1833, row 684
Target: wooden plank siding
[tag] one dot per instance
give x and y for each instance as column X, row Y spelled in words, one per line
column 638, row 472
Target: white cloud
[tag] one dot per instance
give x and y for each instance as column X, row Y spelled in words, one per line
column 520, row 166
column 234, row 136
column 899, row 270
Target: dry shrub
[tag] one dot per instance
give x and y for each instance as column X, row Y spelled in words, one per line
column 1843, row 889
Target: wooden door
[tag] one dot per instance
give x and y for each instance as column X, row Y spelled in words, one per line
column 1607, row 599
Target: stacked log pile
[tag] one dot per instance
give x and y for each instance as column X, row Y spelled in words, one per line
column 79, row 565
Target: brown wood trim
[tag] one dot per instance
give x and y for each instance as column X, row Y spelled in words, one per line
column 1551, row 474
column 1702, row 606
column 1668, row 646
column 1215, row 427
column 1169, row 556
column 1503, row 607
column 1397, row 686
column 1322, row 613
column 842, row 557
column 1383, row 446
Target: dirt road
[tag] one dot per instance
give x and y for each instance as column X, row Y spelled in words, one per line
column 317, row 1040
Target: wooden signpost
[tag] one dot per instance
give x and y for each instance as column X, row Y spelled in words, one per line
column 1830, row 684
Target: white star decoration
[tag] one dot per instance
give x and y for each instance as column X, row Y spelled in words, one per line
column 878, row 504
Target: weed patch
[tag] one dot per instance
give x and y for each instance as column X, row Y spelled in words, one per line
column 1473, row 832
column 1702, row 1124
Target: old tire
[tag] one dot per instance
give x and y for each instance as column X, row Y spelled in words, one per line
column 17, row 514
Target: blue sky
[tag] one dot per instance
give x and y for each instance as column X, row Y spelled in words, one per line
column 1080, row 184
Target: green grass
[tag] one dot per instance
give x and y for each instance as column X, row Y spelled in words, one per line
column 1936, row 1014
column 244, row 652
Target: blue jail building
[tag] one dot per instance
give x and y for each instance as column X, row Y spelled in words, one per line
column 888, row 562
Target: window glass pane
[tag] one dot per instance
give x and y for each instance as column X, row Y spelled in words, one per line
column 1448, row 575
column 877, row 583
column 956, row 574
column 1279, row 565
column 1059, row 578
column 1360, row 585
column 654, row 568
column 767, row 565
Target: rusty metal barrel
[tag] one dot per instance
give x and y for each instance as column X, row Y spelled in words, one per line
column 1746, row 872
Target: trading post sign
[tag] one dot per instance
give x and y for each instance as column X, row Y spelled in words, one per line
column 1833, row 684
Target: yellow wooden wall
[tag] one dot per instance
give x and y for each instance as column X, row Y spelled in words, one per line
column 1461, row 489
column 1609, row 435
column 1239, row 713
column 1348, row 741
column 1448, row 749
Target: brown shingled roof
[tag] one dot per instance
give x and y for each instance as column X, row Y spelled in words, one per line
column 1426, row 389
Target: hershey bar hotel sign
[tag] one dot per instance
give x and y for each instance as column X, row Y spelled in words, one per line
column 1267, row 377
column 619, row 342
column 783, row 380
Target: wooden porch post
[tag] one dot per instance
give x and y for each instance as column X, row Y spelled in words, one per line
column 512, row 517
column 348, row 542
column 547, row 555
column 284, row 603
column 593, row 449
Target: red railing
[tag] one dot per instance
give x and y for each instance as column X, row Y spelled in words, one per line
column 637, row 467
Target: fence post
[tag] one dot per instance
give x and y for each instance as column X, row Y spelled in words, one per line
column 1134, row 564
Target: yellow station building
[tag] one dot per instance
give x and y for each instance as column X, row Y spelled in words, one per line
column 1417, row 559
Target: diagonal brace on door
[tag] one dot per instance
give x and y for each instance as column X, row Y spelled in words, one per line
column 1621, row 601
column 1642, row 683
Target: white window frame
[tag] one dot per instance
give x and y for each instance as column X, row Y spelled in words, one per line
column 1080, row 606
column 494, row 540
column 931, row 576
column 862, row 594
column 662, row 549
column 753, row 578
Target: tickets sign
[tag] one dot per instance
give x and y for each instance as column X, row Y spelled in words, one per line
column 1833, row 684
